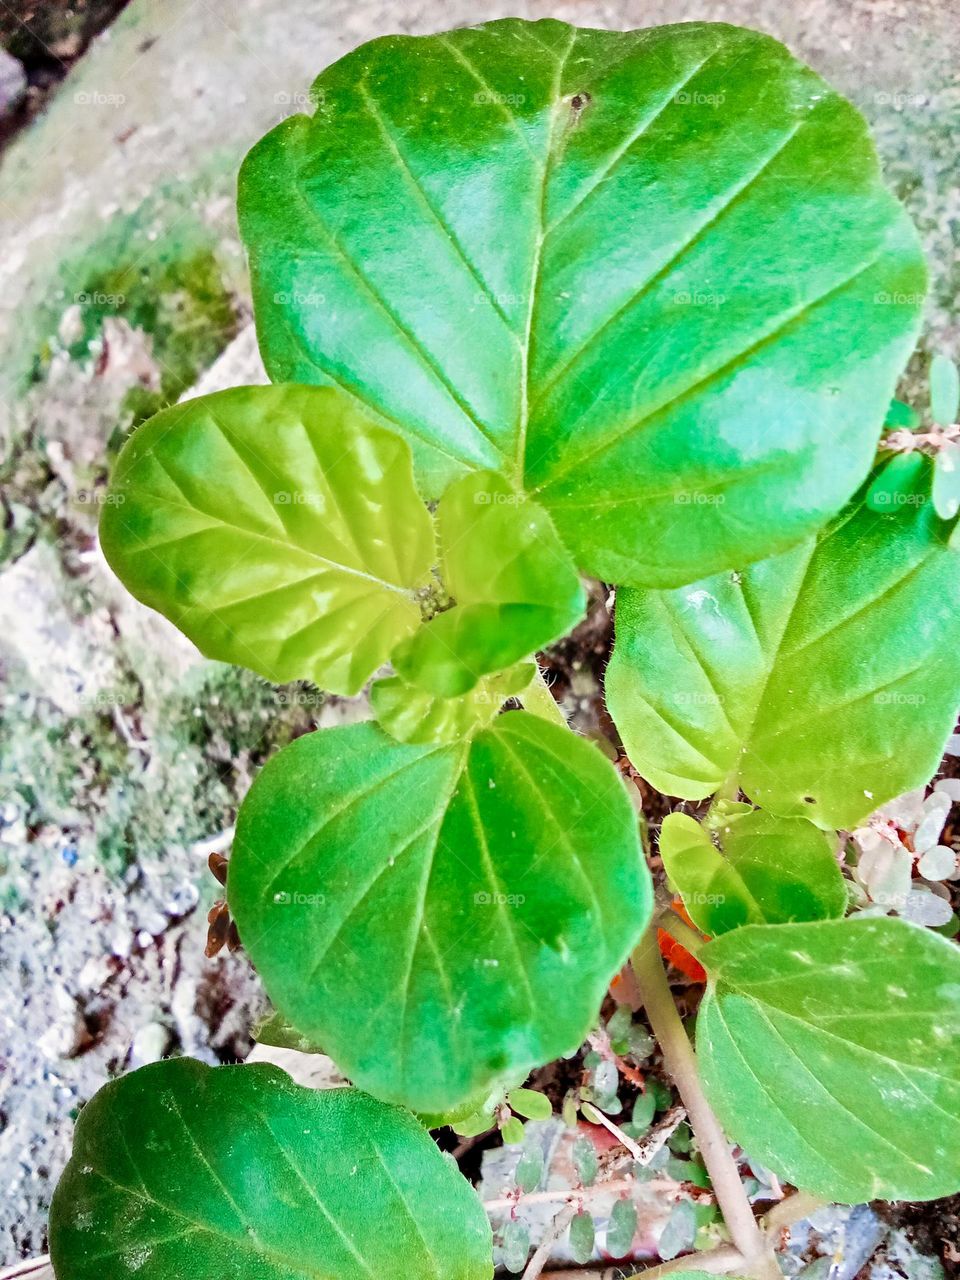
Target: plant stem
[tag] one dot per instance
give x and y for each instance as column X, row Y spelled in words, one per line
column 538, row 699
column 681, row 1064
column 680, row 931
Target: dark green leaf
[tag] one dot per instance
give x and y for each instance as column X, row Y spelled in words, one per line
column 902, row 481
column 585, row 1160
column 767, row 870
column 180, row 1169
column 621, row 1229
column 582, row 1237
column 822, row 681
column 418, row 908
column 277, row 528
column 515, row 1245
column 530, row 1170
column 595, row 261
column 831, row 1052
column 900, row 415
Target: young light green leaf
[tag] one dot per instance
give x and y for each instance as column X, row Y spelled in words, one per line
column 182, row 1169
column 512, row 1131
column 277, row 528
column 944, row 390
column 515, row 585
column 946, row 481
column 808, row 678
column 417, row 908
column 410, row 714
column 767, row 870
column 530, row 1104
column 582, row 1237
column 556, row 266
column 831, row 1052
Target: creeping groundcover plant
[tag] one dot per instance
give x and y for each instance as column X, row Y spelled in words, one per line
column 540, row 302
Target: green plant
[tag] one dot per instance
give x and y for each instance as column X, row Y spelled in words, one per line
column 489, row 275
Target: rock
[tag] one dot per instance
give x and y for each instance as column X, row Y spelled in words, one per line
column 13, row 82
column 150, row 1044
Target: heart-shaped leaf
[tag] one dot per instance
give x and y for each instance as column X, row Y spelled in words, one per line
column 822, row 680
column 767, row 870
column 623, row 268
column 831, row 1053
column 277, row 527
column 416, row 909
column 515, row 586
column 410, row 714
column 180, row 1169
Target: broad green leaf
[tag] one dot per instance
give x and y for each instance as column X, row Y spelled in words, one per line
column 515, row 586
column 417, row 908
column 621, row 268
column 410, row 714
column 944, row 390
column 946, row 481
column 767, row 870
column 831, row 1053
column 180, row 1169
column 277, row 528
column 904, row 480
column 822, row 680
